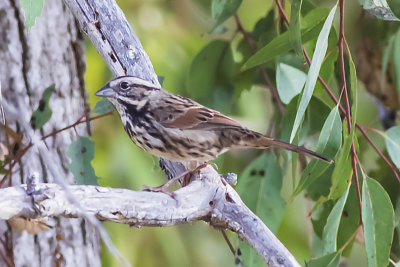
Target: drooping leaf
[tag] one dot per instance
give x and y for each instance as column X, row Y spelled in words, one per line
column 378, row 8
column 81, row 153
column 319, row 218
column 342, row 172
column 264, row 30
column 103, row 106
column 294, row 27
column 221, row 10
column 329, row 142
column 203, row 69
column 311, row 26
column 392, row 138
column 319, row 54
column 260, row 186
column 330, row 260
column 43, row 113
column 289, row 82
column 397, row 57
column 378, row 220
column 331, row 228
column 32, row 10
column 349, row 222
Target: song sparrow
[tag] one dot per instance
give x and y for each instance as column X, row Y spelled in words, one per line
column 179, row 129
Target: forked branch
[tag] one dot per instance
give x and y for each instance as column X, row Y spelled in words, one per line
column 210, row 199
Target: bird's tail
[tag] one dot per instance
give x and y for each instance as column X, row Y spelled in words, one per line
column 256, row 140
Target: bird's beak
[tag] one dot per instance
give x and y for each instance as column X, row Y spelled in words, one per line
column 106, row 91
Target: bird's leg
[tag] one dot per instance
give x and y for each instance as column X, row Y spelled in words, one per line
column 187, row 176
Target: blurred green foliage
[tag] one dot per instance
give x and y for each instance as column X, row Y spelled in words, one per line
column 206, row 66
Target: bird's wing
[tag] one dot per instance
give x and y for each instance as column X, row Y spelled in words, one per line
column 191, row 115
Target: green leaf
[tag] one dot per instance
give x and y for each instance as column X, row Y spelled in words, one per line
column 341, row 175
column 353, row 91
column 329, row 235
column 392, row 138
column 329, row 142
column 260, row 186
column 294, row 27
column 318, row 57
column 378, row 8
column 204, row 69
column 378, row 220
column 81, row 153
column 103, row 106
column 289, row 82
column 43, row 113
column 32, row 10
column 349, row 222
column 319, row 218
column 311, row 26
column 249, row 256
column 397, row 58
column 330, row 260
column 395, row 7
column 221, row 10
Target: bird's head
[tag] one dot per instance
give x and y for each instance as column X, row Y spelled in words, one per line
column 127, row 91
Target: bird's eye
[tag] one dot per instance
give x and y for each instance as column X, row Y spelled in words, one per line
column 124, row 85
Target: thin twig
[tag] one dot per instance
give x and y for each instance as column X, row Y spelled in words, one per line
column 232, row 249
column 22, row 152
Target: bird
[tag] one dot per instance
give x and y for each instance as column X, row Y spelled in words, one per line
column 179, row 129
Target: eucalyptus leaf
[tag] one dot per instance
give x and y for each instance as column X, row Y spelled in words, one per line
column 81, row 153
column 311, row 26
column 294, row 27
column 329, row 142
column 43, row 113
column 260, row 186
column 221, row 10
column 342, row 173
column 378, row 220
column 396, row 54
column 331, row 228
column 203, row 69
column 330, row 260
column 103, row 106
column 318, row 57
column 392, row 138
column 289, row 82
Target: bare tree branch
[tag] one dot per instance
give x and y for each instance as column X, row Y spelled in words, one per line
column 210, row 198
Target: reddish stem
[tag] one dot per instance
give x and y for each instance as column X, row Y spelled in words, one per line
column 346, row 96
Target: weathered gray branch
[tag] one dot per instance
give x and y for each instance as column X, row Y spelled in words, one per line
column 208, row 199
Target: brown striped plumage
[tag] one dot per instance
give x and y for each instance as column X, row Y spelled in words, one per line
column 179, row 129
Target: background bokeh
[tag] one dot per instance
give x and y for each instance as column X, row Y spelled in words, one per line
column 172, row 33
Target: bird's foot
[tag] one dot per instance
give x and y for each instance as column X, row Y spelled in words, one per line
column 187, row 175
